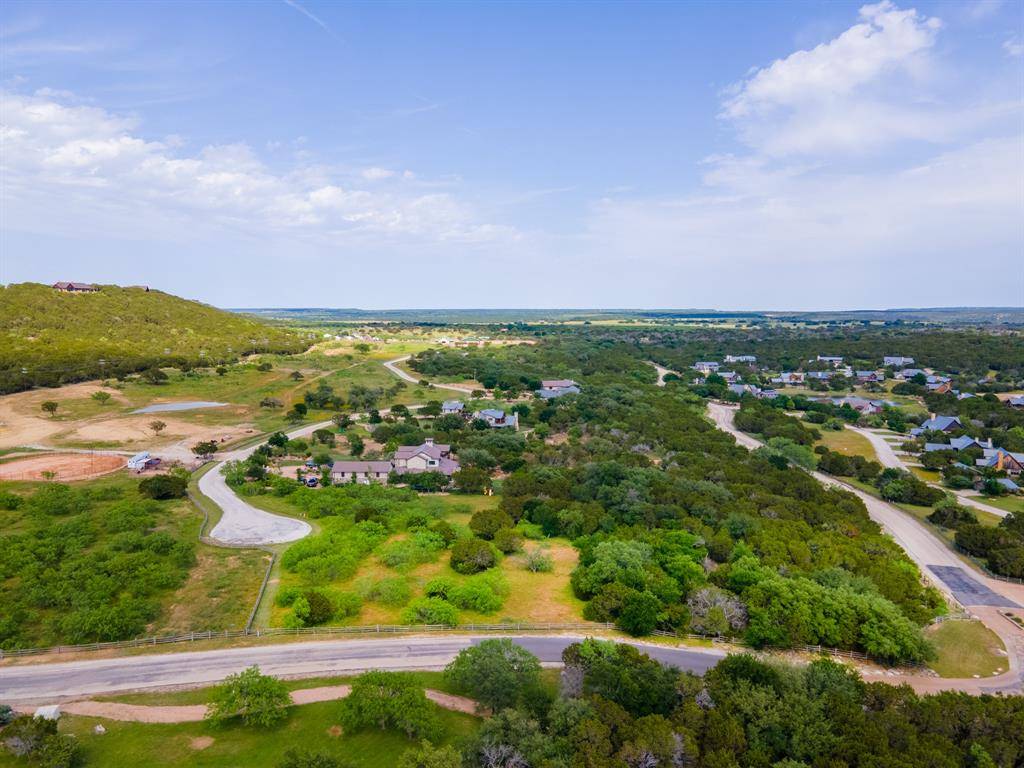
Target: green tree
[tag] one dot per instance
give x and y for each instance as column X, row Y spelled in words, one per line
column 205, row 449
column 497, row 673
column 472, row 556
column 487, row 522
column 426, row 755
column 356, row 444
column 101, row 397
column 50, row 407
column 157, row 426
column 472, row 480
column 296, row 757
column 389, row 700
column 255, row 698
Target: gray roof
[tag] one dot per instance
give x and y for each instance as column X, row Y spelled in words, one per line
column 435, row 451
column 549, row 393
column 361, row 467
column 941, row 424
column 452, row 405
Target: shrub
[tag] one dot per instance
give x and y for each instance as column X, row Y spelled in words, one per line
column 484, row 593
column 439, row 587
column 303, row 758
column 497, row 673
column 170, row 486
column 539, row 561
column 430, row 610
column 488, row 522
column 508, row 541
column 391, row 592
column 472, row 556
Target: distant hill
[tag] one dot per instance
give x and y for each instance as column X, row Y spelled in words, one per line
column 49, row 338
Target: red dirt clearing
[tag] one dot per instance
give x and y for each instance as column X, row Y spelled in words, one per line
column 64, row 466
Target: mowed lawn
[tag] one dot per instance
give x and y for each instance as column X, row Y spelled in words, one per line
column 967, row 648
column 201, row 745
column 848, row 442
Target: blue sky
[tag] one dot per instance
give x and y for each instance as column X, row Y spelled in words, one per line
column 729, row 155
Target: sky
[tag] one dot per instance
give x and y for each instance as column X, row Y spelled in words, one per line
column 740, row 155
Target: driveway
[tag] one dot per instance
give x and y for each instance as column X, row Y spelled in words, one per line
column 242, row 524
column 47, row 682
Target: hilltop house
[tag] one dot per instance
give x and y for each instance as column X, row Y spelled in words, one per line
column 498, row 419
column 832, row 360
column 860, row 404
column 909, row 373
column 428, row 457
column 820, row 375
column 896, row 360
column 1017, row 401
column 550, row 388
column 75, row 287
column 453, row 407
column 741, row 358
column 866, row 377
column 938, row 424
column 731, row 377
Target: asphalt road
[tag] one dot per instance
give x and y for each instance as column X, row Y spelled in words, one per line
column 48, row 682
column 392, row 365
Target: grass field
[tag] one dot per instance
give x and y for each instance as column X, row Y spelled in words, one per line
column 848, row 442
column 1008, row 503
column 201, row 745
column 967, row 648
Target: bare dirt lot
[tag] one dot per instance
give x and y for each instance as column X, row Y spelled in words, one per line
column 64, row 466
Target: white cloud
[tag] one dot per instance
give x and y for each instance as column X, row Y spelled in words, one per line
column 72, row 158
column 1013, row 47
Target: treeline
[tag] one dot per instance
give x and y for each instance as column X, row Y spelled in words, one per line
column 52, row 338
column 87, row 564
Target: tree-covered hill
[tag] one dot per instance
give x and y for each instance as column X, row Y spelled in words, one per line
column 49, row 338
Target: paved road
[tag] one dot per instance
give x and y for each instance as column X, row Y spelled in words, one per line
column 392, row 365
column 888, row 457
column 43, row 682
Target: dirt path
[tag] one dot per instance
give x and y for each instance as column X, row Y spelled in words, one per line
column 194, row 713
column 662, row 372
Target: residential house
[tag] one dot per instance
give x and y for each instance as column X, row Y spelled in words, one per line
column 428, row 457
column 741, row 358
column 75, row 287
column 860, row 404
column 1008, row 484
column 792, row 378
column 938, row 424
column 939, row 387
column 820, row 375
column 908, row 373
column 731, row 377
column 961, row 443
column 1017, row 401
column 866, row 377
column 497, row 418
column 998, row 459
column 453, row 407
column 550, row 388
column 706, row 366
column 361, row 472
column 832, row 360
column 894, row 361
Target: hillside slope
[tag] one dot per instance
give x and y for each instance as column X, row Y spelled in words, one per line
column 49, row 338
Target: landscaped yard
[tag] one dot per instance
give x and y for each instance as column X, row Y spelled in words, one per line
column 967, row 648
column 1009, row 503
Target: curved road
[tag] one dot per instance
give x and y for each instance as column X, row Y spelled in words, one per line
column 392, row 365
column 74, row 679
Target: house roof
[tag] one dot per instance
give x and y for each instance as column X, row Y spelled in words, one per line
column 941, row 423
column 1008, row 483
column 361, row 467
column 75, row 286
column 452, row 405
column 550, row 392
column 435, row 451
column 557, row 383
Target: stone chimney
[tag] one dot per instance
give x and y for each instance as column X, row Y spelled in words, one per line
column 429, row 442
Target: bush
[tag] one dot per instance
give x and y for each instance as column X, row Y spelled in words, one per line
column 391, row 592
column 170, row 486
column 430, row 610
column 303, row 758
column 508, row 541
column 539, row 561
column 472, row 556
column 484, row 593
column 487, row 522
column 439, row 587
column 256, row 699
